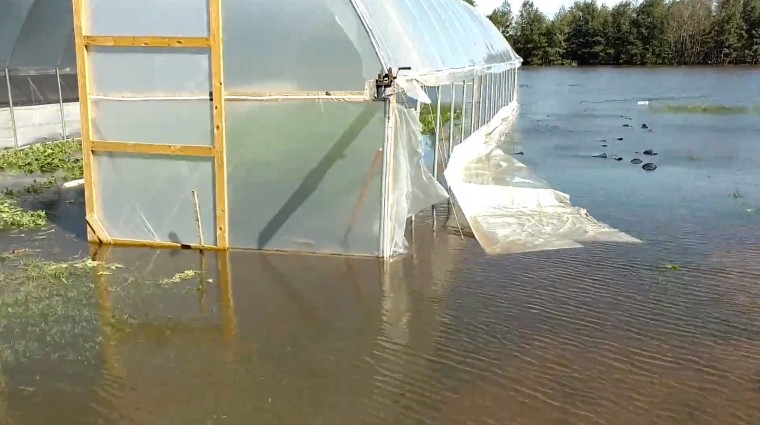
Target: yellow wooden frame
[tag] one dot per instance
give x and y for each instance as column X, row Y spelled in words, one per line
column 127, row 41
column 95, row 230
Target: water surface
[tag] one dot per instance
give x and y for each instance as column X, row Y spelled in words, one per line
column 447, row 335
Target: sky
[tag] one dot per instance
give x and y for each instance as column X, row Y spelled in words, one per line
column 549, row 7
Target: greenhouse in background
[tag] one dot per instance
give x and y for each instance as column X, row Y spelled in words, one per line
column 296, row 125
column 38, row 81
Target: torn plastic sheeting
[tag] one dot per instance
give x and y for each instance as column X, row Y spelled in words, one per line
column 413, row 186
column 510, row 210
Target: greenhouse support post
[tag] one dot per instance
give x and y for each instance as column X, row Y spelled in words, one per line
column 64, row 133
column 475, row 86
column 10, row 108
column 452, row 122
column 464, row 110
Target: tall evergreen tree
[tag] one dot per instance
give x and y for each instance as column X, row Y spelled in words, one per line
column 501, row 17
column 529, row 37
column 751, row 19
column 728, row 32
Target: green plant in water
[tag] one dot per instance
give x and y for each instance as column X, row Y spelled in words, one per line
column 429, row 115
column 12, row 216
column 45, row 158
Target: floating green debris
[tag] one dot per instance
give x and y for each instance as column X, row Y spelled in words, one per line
column 674, row 267
column 706, row 109
column 179, row 277
column 45, row 158
column 12, row 216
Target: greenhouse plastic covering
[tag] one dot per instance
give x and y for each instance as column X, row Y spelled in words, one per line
column 412, row 186
column 509, row 209
column 442, row 41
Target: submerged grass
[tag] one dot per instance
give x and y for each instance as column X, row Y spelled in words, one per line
column 707, row 109
column 12, row 216
column 49, row 310
column 45, row 158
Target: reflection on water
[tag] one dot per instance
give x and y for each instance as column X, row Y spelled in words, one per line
column 446, row 335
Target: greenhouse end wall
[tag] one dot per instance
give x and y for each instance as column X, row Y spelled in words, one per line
column 305, row 175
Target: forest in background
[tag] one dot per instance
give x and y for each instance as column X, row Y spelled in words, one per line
column 650, row 32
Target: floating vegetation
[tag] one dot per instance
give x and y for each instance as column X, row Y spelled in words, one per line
column 12, row 216
column 706, row 109
column 179, row 277
column 674, row 267
column 45, row 158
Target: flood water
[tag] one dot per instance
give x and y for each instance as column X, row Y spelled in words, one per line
column 605, row 334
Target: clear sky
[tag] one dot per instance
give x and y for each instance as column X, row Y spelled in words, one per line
column 549, row 7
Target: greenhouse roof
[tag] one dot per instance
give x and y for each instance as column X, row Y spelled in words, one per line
column 442, row 41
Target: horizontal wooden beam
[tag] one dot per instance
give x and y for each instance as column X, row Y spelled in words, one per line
column 152, row 148
column 127, row 41
column 296, row 95
column 160, row 244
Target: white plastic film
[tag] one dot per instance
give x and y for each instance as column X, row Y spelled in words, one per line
column 413, row 187
column 509, row 209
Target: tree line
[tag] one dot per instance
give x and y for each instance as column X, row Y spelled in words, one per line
column 650, row 32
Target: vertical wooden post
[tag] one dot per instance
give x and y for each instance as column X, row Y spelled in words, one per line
column 220, row 150
column 94, row 230
column 228, row 317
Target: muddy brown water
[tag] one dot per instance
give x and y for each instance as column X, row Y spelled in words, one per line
column 447, row 335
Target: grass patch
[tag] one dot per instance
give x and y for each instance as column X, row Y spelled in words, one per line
column 45, row 158
column 49, row 310
column 41, row 158
column 706, row 109
column 12, row 216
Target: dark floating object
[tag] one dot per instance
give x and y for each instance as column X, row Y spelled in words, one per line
column 626, row 125
column 518, row 153
column 618, row 158
column 636, row 161
column 604, row 146
column 644, row 126
column 619, row 139
column 649, row 152
column 649, row 166
column 601, row 155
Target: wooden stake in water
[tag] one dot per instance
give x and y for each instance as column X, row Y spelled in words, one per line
column 198, row 219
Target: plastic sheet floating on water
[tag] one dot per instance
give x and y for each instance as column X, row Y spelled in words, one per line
column 510, row 210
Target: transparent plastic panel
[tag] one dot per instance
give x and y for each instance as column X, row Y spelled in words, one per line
column 12, row 17
column 149, row 197
column 290, row 45
column 412, row 186
column 68, row 61
column 460, row 38
column 149, row 71
column 169, row 18
column 305, row 176
column 43, row 37
column 173, row 122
